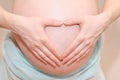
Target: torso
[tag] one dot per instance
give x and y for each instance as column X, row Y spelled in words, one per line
column 61, row 10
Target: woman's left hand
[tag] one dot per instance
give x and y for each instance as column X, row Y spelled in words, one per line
column 91, row 27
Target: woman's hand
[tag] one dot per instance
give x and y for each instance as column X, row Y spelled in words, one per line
column 91, row 27
column 32, row 34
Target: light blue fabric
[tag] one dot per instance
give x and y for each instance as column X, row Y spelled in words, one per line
column 21, row 67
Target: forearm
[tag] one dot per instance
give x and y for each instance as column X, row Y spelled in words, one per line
column 5, row 18
column 111, row 9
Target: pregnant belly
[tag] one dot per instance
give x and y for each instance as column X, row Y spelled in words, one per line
column 60, row 36
column 61, row 42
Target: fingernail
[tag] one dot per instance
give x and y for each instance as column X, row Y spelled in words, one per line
column 68, row 64
column 45, row 62
column 61, row 59
column 58, row 65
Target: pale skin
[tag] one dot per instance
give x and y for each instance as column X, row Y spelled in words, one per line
column 28, row 30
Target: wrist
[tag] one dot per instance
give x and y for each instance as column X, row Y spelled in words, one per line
column 5, row 19
column 106, row 17
column 10, row 21
column 103, row 20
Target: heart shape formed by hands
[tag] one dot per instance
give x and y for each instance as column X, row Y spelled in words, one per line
column 68, row 41
column 62, row 36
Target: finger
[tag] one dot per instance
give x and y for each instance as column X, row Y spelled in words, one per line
column 52, row 22
column 51, row 48
column 71, row 48
column 49, row 54
column 72, row 21
column 32, row 50
column 77, row 51
column 78, row 56
column 82, row 56
column 74, row 53
column 91, row 47
column 39, row 57
column 44, row 57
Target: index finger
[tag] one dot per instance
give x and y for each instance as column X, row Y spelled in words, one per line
column 72, row 47
column 51, row 47
column 52, row 22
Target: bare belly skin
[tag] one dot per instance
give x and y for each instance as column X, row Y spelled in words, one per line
column 61, row 10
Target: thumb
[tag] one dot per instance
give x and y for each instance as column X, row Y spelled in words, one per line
column 53, row 23
column 72, row 21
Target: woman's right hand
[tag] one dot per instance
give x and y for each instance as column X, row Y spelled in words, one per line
column 32, row 34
